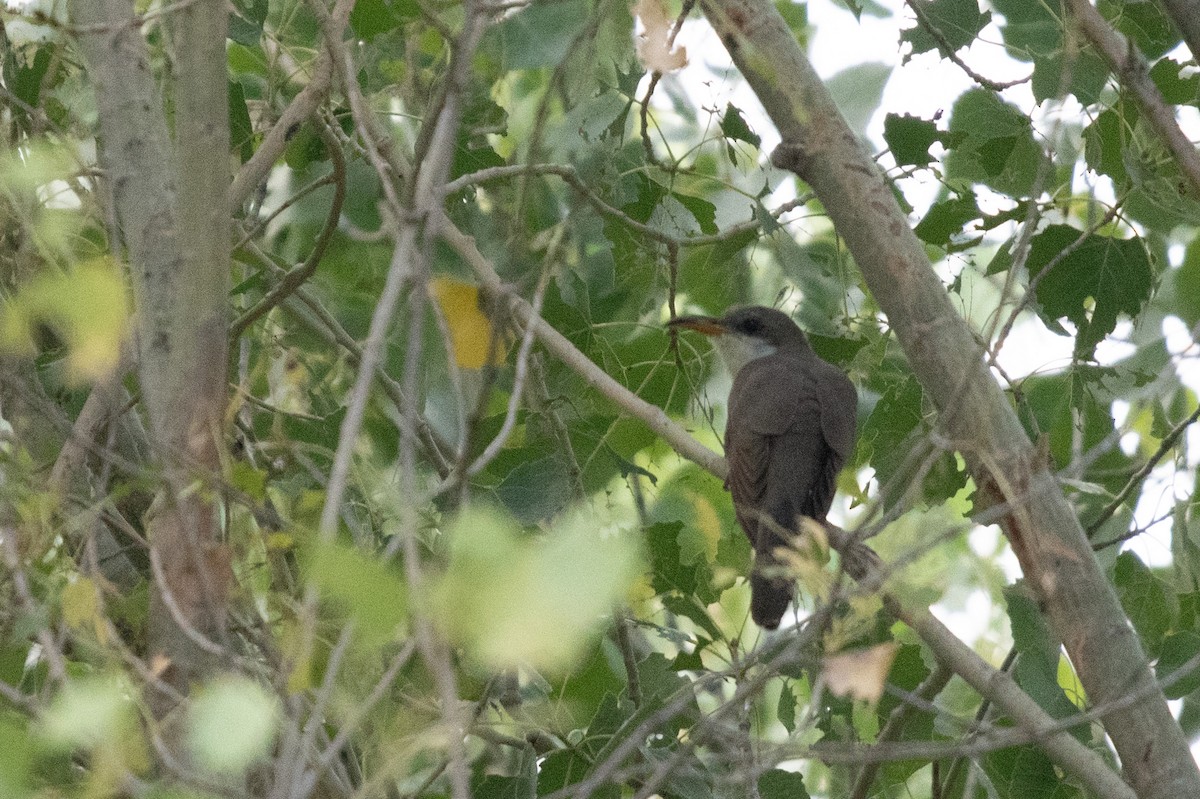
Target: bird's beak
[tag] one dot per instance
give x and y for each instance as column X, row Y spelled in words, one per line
column 708, row 325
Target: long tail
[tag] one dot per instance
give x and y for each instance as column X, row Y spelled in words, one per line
column 769, row 599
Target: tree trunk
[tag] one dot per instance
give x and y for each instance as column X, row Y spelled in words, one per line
column 171, row 204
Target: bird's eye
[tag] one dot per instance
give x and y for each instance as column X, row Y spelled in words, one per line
column 750, row 326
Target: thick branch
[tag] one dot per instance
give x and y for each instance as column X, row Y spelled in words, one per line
column 941, row 350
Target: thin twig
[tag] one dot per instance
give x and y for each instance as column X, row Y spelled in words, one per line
column 1167, row 444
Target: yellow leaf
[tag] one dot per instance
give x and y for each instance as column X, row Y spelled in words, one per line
column 654, row 45
column 860, row 673
column 471, row 331
column 86, row 306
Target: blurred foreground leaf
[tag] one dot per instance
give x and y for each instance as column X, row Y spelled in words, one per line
column 231, row 725
column 513, row 599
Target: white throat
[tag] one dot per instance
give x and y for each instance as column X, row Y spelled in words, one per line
column 737, row 350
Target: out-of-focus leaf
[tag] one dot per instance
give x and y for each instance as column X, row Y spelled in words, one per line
column 16, row 757
column 1178, row 649
column 1146, row 600
column 514, row 600
column 369, row 18
column 857, row 91
column 231, row 725
column 89, row 712
column 860, row 673
column 87, row 307
column 540, row 34
column 82, row 609
column 370, row 590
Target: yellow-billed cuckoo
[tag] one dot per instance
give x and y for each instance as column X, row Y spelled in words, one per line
column 790, row 427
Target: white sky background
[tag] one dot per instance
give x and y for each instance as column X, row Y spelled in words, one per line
column 924, row 86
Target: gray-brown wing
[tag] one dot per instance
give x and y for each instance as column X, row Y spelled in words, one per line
column 779, row 461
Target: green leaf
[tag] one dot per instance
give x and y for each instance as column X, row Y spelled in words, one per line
column 1177, row 650
column 996, row 145
column 521, row 600
column 1145, row 23
column 669, row 572
column 1146, row 601
column 1181, row 290
column 1105, row 141
column 560, row 769
column 779, row 784
column 704, row 212
column 246, row 23
column 907, row 672
column 231, row 725
column 540, row 35
column 909, row 138
column 1030, row 30
column 535, row 489
column 1095, row 283
column 786, row 709
column 241, row 129
column 894, row 417
column 947, row 218
column 1037, row 666
column 369, row 18
column 369, row 589
column 1024, row 772
column 857, row 91
column 25, row 79
column 734, row 127
column 1175, row 89
column 1065, row 409
column 958, row 22
column 16, row 757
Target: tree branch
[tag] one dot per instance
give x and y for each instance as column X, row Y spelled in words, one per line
column 1124, row 59
column 1041, row 525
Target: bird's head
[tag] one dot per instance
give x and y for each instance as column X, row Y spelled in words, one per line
column 746, row 333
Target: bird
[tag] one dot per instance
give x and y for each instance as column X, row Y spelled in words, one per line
column 790, row 427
